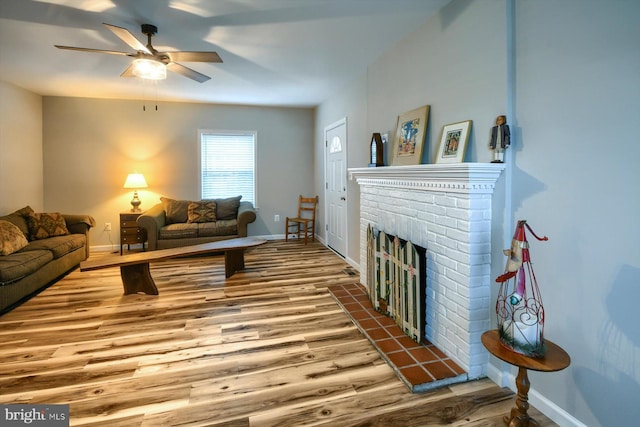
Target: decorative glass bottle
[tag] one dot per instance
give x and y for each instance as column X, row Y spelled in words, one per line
column 519, row 305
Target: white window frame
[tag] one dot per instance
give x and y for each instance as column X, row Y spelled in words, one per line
column 202, row 132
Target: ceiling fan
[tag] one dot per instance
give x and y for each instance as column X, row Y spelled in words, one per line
column 148, row 62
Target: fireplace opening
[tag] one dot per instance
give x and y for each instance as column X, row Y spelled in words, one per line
column 397, row 281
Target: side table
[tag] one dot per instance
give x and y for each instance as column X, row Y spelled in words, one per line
column 130, row 234
column 555, row 359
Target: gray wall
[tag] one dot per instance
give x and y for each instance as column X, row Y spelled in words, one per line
column 567, row 74
column 576, row 178
column 90, row 145
column 350, row 103
column 20, row 149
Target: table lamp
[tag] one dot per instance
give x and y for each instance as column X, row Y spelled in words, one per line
column 136, row 181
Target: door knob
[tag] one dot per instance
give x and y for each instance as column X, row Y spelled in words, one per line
column 342, row 198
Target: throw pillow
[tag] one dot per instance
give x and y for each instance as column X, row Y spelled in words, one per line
column 19, row 218
column 204, row 211
column 44, row 225
column 176, row 211
column 11, row 238
column 228, row 208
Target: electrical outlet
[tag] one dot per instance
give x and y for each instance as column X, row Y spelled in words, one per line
column 276, row 218
column 107, row 226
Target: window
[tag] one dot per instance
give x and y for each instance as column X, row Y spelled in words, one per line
column 227, row 164
column 336, row 145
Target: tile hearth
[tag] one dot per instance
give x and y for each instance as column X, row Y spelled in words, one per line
column 420, row 367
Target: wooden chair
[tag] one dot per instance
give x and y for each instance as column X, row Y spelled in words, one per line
column 305, row 223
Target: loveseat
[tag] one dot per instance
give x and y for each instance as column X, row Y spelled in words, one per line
column 176, row 223
column 38, row 248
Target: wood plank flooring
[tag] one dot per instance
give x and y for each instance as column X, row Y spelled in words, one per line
column 266, row 347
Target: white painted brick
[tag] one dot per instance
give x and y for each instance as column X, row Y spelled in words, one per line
column 478, row 237
column 458, row 320
column 446, row 261
column 457, row 255
column 479, row 227
column 479, row 357
column 459, row 213
column 457, row 277
column 479, row 271
column 436, row 210
column 458, row 300
column 448, row 284
column 479, row 215
column 479, row 259
column 463, row 225
column 477, row 304
column 445, row 200
column 459, row 236
column 447, row 221
column 455, row 228
column 447, row 242
column 480, row 248
column 478, row 292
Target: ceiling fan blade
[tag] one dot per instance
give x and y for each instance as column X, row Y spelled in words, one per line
column 85, row 49
column 126, row 36
column 187, row 72
column 194, row 56
column 128, row 72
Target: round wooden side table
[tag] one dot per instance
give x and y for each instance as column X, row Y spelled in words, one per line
column 555, row 359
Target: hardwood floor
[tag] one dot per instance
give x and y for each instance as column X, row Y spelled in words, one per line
column 266, row 347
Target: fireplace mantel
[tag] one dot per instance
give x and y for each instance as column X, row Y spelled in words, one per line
column 476, row 178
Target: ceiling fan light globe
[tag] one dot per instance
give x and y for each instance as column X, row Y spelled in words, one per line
column 149, row 69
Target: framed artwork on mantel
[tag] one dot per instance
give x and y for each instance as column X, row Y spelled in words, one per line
column 453, row 142
column 411, row 129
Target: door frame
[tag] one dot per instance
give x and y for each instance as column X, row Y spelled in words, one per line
column 342, row 121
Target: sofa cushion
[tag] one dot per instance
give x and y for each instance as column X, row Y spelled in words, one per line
column 11, row 238
column 218, row 228
column 204, row 211
column 59, row 245
column 45, row 225
column 227, row 208
column 176, row 211
column 19, row 218
column 20, row 264
column 178, row 231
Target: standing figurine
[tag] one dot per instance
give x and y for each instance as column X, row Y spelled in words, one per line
column 500, row 139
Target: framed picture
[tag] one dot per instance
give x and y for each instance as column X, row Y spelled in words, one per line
column 453, row 142
column 409, row 139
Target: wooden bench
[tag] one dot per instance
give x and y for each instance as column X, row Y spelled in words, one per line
column 134, row 268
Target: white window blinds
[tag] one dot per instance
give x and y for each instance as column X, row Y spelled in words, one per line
column 227, row 164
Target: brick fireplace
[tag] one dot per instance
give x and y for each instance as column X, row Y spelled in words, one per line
column 446, row 209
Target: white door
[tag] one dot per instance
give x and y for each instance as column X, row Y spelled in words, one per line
column 336, row 185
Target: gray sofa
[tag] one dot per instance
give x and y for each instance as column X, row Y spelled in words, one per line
column 29, row 269
column 176, row 223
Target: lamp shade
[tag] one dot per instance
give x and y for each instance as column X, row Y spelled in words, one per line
column 135, row 180
column 149, row 69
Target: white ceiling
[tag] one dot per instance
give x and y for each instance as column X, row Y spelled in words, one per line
column 275, row 52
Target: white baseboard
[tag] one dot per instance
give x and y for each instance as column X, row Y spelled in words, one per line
column 554, row 412
column 270, row 237
column 353, row 263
